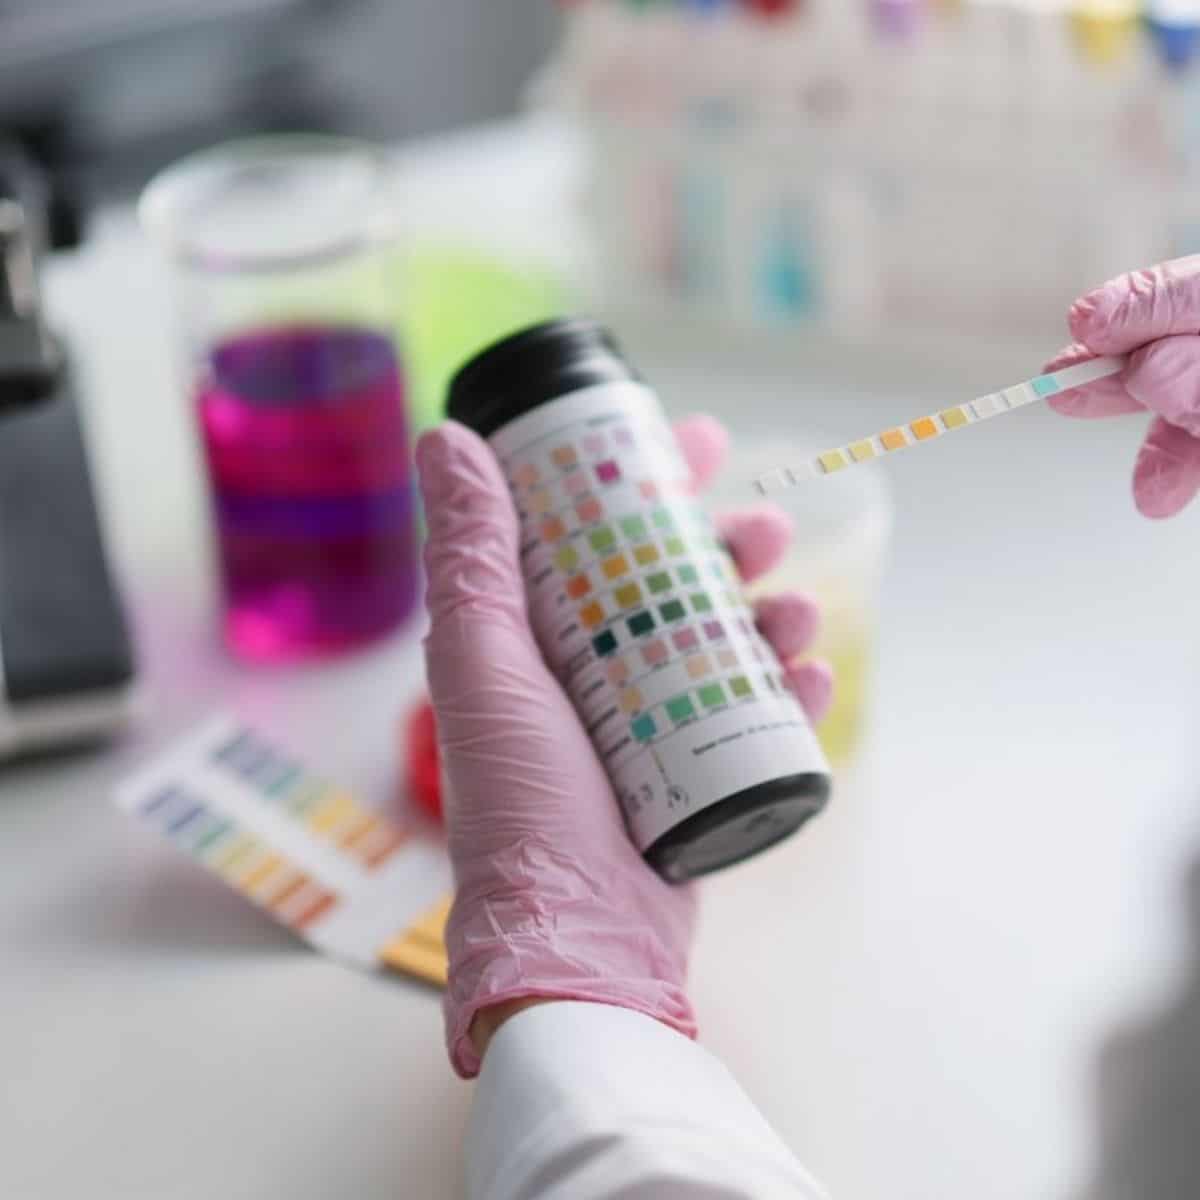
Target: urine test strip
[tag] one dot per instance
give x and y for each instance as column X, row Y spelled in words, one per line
column 347, row 880
column 929, row 428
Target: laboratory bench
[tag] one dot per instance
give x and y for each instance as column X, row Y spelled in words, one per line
column 913, row 991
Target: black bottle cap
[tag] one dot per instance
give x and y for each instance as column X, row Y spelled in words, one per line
column 527, row 369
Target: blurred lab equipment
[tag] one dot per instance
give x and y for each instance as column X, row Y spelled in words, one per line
column 66, row 664
column 843, row 527
column 880, row 169
column 281, row 258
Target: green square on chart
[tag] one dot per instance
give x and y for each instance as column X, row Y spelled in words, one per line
column 675, row 546
column 680, row 708
column 740, row 686
column 712, row 695
column 688, row 576
column 673, row 610
column 662, row 518
column 602, row 539
column 641, row 624
column 644, row 728
column 634, row 528
column 659, row 582
column 701, row 603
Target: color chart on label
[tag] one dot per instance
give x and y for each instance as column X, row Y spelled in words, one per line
column 346, row 880
column 639, row 608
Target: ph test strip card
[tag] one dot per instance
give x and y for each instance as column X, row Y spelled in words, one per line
column 348, row 881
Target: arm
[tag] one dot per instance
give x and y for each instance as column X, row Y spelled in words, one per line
column 568, row 955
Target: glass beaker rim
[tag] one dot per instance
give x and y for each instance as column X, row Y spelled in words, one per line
column 171, row 202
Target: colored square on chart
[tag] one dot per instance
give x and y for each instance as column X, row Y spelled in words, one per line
column 673, row 610
column 644, row 728
column 655, row 653
column 623, row 437
column 1046, row 385
column 526, row 475
column 608, row 472
column 634, row 528
column 601, row 539
column 685, row 640
column 629, row 595
column 985, row 406
column 553, row 530
column 663, row 519
column 605, row 643
column 712, row 695
column 567, row 558
column 894, row 439
column 659, row 582
column 714, row 631
column 646, row 556
column 615, row 567
column 594, row 443
column 648, row 489
column 631, row 700
column 618, row 672
column 589, row 510
column 688, row 575
column 680, row 708
column 576, row 483
column 539, row 503
column 698, row 666
column 862, row 451
column 1018, row 396
column 592, row 615
column 953, row 418
column 675, row 547
column 701, row 603
column 832, row 460
column 578, row 586
column 641, row 624
column 727, row 660
column 924, row 429
column 739, row 685
column 564, row 456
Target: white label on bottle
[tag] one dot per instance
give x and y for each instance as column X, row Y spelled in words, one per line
column 638, row 610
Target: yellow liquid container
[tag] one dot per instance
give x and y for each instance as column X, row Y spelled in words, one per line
column 843, row 528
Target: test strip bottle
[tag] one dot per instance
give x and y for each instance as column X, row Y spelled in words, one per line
column 636, row 603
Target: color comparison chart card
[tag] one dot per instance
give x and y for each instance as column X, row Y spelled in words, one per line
column 344, row 879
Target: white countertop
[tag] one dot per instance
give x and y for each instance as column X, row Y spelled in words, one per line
column 912, row 990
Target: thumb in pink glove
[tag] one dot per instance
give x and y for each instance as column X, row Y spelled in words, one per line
column 553, row 899
column 1155, row 314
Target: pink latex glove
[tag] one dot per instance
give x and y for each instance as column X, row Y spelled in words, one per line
column 553, row 899
column 1154, row 313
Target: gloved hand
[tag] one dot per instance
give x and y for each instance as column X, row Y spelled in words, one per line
column 553, row 900
column 1156, row 314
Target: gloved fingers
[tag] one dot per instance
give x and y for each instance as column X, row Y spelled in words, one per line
column 704, row 443
column 1165, row 378
column 790, row 622
column 1140, row 307
column 757, row 537
column 811, row 683
column 1167, row 475
column 471, row 553
column 1103, row 398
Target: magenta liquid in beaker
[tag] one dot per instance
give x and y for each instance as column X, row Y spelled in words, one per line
column 282, row 270
column 312, row 492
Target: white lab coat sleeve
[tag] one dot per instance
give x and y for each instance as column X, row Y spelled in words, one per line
column 583, row 1101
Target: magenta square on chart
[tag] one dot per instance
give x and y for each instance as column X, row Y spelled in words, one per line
column 655, row 652
column 685, row 639
column 714, row 630
column 608, row 471
column 576, row 483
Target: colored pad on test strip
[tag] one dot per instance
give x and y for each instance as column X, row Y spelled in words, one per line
column 929, row 428
column 347, row 880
